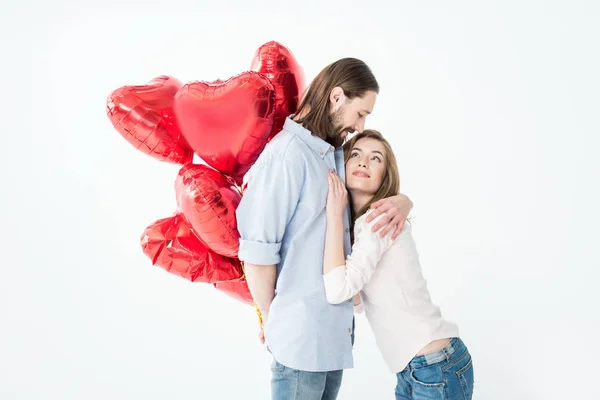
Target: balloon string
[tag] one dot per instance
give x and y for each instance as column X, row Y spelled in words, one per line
column 258, row 313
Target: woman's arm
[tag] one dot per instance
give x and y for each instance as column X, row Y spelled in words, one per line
column 345, row 278
column 337, row 199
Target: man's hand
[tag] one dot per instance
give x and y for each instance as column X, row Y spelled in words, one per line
column 396, row 208
column 261, row 334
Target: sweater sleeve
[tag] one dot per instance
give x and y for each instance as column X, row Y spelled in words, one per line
column 346, row 280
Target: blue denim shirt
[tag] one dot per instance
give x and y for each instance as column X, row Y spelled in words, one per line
column 282, row 221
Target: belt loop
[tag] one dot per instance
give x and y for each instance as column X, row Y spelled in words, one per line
column 446, row 354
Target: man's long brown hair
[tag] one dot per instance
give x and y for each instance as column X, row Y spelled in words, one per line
column 390, row 186
column 352, row 75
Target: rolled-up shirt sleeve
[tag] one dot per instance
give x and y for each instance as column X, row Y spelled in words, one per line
column 273, row 189
column 343, row 282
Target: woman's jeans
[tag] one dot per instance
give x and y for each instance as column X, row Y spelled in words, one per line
column 446, row 374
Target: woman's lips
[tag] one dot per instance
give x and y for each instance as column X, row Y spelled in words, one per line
column 361, row 174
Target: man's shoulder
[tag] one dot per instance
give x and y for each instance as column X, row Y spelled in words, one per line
column 282, row 153
column 285, row 146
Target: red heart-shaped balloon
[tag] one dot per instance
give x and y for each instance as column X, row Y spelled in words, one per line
column 171, row 244
column 238, row 289
column 276, row 62
column 227, row 123
column 143, row 115
column 208, row 200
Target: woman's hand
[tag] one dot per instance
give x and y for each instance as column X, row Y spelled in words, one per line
column 337, row 196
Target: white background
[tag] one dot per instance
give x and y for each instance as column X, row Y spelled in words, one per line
column 492, row 108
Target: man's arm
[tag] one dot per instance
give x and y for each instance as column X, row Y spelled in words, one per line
column 396, row 209
column 261, row 282
column 266, row 208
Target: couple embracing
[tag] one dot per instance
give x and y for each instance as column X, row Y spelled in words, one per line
column 324, row 235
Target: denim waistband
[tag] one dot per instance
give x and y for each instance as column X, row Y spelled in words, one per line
column 455, row 346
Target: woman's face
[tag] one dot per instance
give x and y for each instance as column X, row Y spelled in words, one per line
column 365, row 168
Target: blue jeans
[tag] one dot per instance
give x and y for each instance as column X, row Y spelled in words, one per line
column 446, row 374
column 292, row 384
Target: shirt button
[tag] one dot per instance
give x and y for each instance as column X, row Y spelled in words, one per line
column 349, row 330
column 321, row 153
column 331, row 148
column 347, row 230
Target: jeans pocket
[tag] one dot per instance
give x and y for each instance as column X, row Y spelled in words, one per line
column 466, row 378
column 276, row 367
column 428, row 376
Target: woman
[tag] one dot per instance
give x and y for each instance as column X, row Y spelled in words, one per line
column 418, row 345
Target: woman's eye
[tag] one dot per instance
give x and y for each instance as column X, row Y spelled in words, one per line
column 354, row 155
column 377, row 159
column 360, row 115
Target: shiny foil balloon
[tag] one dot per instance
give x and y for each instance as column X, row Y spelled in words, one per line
column 277, row 63
column 171, row 244
column 208, row 200
column 227, row 123
column 143, row 115
column 237, row 289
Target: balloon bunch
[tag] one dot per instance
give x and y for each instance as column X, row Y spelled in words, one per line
column 227, row 124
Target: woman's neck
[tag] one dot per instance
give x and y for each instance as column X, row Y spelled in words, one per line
column 359, row 200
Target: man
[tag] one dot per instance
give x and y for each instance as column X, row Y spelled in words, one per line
column 282, row 224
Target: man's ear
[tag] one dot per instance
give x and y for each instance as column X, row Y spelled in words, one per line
column 337, row 97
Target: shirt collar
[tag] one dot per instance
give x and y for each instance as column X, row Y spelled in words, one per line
column 316, row 144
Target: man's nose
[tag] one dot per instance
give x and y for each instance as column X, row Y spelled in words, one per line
column 359, row 127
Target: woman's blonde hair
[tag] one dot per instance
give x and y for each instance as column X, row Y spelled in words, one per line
column 391, row 178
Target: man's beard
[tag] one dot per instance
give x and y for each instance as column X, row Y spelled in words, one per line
column 334, row 134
